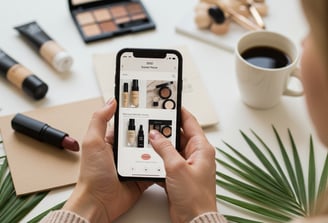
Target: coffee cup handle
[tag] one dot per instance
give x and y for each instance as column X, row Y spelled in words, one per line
column 290, row 92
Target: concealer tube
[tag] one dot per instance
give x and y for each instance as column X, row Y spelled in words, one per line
column 21, row 77
column 135, row 93
column 49, row 50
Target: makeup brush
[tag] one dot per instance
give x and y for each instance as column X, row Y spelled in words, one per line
column 254, row 12
column 241, row 20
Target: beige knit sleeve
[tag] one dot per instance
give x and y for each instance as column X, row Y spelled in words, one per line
column 62, row 216
column 209, row 217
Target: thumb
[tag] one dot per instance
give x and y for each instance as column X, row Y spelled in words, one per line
column 165, row 149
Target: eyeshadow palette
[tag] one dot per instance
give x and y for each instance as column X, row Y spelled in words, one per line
column 100, row 19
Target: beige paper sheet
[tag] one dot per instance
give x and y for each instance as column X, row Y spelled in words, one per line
column 36, row 166
column 194, row 95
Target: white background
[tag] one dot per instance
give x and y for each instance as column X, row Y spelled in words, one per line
column 215, row 65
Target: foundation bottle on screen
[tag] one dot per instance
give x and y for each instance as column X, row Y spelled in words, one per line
column 135, row 94
column 141, row 137
column 131, row 134
column 125, row 96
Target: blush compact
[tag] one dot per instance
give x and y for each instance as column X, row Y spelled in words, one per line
column 164, row 91
column 101, row 19
column 168, row 104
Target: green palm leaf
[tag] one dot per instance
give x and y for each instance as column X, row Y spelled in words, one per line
column 323, row 178
column 299, row 174
column 311, row 177
column 269, row 191
column 236, row 219
column 38, row 218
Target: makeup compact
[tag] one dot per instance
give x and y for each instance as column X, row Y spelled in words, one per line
column 163, row 126
column 101, row 19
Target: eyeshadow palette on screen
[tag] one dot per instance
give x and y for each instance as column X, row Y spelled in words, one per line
column 101, row 19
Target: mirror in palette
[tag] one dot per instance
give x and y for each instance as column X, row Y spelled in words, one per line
column 100, row 19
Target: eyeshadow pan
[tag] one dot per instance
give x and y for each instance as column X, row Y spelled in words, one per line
column 122, row 20
column 134, row 8
column 108, row 26
column 139, row 16
column 84, row 18
column 102, row 15
column 91, row 30
column 118, row 11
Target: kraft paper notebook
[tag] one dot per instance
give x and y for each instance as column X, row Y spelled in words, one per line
column 36, row 166
column 194, row 95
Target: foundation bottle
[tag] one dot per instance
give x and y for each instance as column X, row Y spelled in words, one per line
column 135, row 94
column 21, row 77
column 131, row 134
column 141, row 137
column 125, row 96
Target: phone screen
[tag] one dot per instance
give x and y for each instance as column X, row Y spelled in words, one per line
column 148, row 91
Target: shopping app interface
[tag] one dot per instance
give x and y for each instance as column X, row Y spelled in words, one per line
column 148, row 100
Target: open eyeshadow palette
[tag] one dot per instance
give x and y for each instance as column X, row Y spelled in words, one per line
column 100, row 19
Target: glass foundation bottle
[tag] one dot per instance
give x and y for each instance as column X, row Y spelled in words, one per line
column 134, row 94
column 131, row 134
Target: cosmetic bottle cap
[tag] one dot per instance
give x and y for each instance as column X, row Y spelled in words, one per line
column 34, row 87
column 131, row 124
column 140, row 130
column 62, row 61
column 135, row 86
column 125, row 87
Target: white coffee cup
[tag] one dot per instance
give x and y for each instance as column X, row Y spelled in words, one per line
column 260, row 87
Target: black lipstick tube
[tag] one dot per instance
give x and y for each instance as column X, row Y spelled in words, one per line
column 38, row 130
column 43, row 132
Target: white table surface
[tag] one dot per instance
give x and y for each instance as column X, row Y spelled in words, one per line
column 216, row 66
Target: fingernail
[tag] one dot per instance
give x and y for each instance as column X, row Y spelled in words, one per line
column 154, row 134
column 110, row 101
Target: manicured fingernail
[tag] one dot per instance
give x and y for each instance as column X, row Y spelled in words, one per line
column 110, row 101
column 154, row 134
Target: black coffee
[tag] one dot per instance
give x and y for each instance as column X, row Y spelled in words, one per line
column 266, row 57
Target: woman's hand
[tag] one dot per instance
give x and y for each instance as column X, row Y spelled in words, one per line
column 190, row 177
column 99, row 196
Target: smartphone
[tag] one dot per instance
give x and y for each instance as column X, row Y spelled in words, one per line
column 148, row 85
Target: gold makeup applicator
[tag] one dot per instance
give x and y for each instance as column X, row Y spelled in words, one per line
column 238, row 18
column 254, row 12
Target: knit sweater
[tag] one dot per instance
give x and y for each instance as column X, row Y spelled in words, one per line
column 62, row 216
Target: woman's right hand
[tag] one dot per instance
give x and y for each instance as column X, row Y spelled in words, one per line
column 190, row 177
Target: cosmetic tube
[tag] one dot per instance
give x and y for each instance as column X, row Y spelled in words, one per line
column 43, row 132
column 135, row 93
column 46, row 46
column 131, row 133
column 21, row 77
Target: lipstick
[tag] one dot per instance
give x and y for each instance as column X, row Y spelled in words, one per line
column 43, row 132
